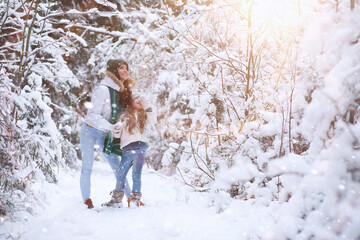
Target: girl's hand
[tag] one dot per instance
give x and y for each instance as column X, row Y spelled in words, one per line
column 118, row 126
column 145, row 103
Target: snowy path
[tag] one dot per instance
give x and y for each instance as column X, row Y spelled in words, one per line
column 169, row 214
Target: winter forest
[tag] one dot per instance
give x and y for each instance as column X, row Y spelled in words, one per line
column 257, row 133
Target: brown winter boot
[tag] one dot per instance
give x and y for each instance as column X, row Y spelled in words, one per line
column 129, row 201
column 89, row 203
column 116, row 199
column 135, row 198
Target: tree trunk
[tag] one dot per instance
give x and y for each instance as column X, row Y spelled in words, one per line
column 250, row 56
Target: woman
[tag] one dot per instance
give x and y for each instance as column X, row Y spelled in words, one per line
column 97, row 125
column 134, row 144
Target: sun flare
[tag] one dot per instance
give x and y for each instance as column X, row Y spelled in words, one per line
column 274, row 15
column 276, row 11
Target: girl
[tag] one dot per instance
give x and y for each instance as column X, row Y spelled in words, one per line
column 134, row 143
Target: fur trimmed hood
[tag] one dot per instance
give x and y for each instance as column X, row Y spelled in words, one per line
column 132, row 82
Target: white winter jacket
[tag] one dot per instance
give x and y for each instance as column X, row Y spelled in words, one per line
column 126, row 138
column 99, row 115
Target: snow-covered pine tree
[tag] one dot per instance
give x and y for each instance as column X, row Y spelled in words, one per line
column 36, row 90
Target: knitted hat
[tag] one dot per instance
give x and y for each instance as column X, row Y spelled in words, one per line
column 113, row 64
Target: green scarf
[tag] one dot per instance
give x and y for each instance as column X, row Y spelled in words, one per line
column 112, row 145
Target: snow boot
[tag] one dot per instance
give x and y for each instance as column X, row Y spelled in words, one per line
column 129, row 201
column 116, row 199
column 89, row 203
column 135, row 198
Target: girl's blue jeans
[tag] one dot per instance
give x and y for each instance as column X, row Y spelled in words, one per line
column 89, row 137
column 136, row 159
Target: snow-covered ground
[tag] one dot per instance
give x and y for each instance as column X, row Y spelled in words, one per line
column 173, row 211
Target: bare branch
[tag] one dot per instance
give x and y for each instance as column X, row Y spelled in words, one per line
column 197, row 164
column 102, row 31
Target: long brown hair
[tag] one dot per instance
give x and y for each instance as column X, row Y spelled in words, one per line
column 135, row 118
column 125, row 95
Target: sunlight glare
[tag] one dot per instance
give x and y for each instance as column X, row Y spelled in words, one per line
column 274, row 15
column 284, row 17
column 276, row 11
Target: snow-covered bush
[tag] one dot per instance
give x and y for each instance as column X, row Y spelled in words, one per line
column 236, row 92
column 333, row 137
column 267, row 134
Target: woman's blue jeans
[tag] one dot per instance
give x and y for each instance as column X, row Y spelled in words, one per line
column 89, row 137
column 136, row 159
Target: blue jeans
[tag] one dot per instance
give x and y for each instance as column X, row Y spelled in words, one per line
column 136, row 159
column 89, row 137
